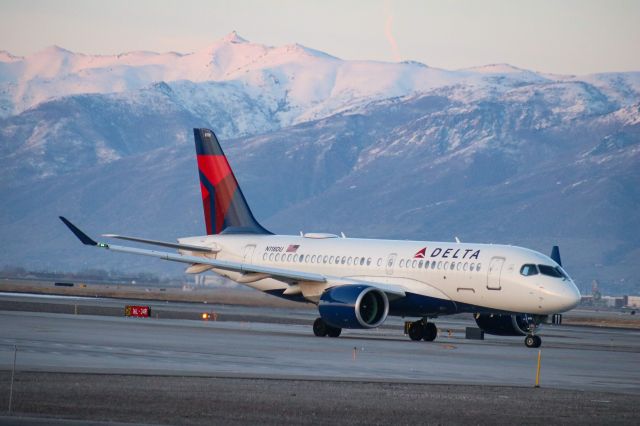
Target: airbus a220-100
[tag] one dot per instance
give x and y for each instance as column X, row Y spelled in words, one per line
column 357, row 283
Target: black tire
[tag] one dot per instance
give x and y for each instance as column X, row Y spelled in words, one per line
column 320, row 328
column 430, row 332
column 538, row 341
column 530, row 341
column 416, row 331
column 333, row 331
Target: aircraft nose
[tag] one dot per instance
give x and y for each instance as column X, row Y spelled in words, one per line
column 568, row 296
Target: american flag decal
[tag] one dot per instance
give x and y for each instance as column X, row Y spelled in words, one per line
column 292, row 248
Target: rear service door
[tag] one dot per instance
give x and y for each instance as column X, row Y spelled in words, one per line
column 494, row 272
column 247, row 254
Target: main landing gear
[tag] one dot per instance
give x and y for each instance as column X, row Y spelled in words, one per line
column 322, row 329
column 532, row 341
column 423, row 330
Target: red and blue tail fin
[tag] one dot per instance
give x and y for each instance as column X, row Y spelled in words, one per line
column 225, row 208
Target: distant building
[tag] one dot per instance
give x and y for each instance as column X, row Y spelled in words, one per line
column 633, row 301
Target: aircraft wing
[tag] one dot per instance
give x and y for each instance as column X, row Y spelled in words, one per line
column 285, row 275
column 278, row 273
column 189, row 247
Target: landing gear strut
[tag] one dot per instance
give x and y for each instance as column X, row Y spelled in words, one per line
column 423, row 330
column 532, row 341
column 322, row 329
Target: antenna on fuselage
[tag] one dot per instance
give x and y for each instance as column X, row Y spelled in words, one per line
column 457, row 240
column 342, row 234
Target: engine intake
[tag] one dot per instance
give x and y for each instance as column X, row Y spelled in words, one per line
column 354, row 306
column 504, row 325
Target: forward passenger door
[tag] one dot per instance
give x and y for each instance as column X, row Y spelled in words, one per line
column 494, row 272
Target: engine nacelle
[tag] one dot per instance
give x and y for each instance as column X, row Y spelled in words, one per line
column 505, row 325
column 354, row 306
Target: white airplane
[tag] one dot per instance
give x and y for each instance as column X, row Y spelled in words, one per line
column 358, row 283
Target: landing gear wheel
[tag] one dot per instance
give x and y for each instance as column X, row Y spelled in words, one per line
column 416, row 331
column 538, row 341
column 333, row 331
column 320, row 328
column 430, row 332
column 532, row 341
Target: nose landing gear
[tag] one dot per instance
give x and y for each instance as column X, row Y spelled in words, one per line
column 532, row 341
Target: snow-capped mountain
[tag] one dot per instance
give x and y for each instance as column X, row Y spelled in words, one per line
column 400, row 150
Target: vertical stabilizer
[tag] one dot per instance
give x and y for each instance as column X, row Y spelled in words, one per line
column 225, row 208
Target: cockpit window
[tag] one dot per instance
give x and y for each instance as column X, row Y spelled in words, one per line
column 550, row 271
column 528, row 270
column 562, row 272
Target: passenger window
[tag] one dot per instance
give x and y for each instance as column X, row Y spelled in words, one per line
column 349, row 259
column 401, row 264
column 277, row 257
column 344, row 260
column 313, row 259
column 453, row 265
column 528, row 270
column 379, row 263
column 472, row 267
column 446, row 265
column 264, row 256
column 368, row 261
column 337, row 260
column 325, row 258
column 478, row 267
column 330, row 259
column 301, row 258
column 420, row 264
column 307, row 258
column 362, row 261
column 459, row 266
column 414, row 263
column 433, row 264
column 440, row 265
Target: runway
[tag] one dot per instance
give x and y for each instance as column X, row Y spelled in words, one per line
column 278, row 343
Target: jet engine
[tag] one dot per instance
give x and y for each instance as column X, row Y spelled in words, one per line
column 505, row 325
column 354, row 306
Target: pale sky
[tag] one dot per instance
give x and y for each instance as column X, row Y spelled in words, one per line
column 561, row 36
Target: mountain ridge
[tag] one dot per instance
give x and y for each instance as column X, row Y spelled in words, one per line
column 392, row 150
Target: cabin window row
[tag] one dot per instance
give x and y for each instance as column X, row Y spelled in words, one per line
column 312, row 258
column 451, row 266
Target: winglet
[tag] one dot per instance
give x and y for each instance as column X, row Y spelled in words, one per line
column 555, row 255
column 78, row 233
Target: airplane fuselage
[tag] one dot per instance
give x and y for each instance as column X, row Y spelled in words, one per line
column 357, row 283
column 440, row 277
